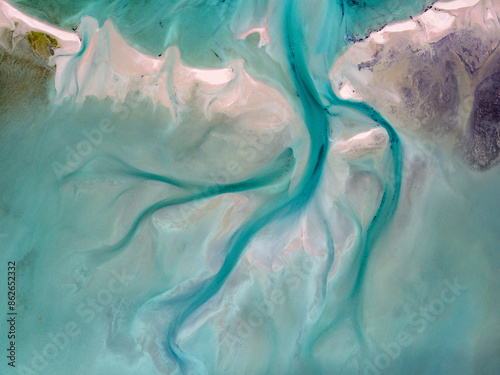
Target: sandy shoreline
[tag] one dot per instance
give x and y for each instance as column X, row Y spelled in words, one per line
column 440, row 20
column 127, row 64
column 69, row 42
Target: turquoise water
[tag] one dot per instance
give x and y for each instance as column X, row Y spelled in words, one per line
column 152, row 240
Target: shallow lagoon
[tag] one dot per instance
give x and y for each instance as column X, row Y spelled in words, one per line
column 251, row 187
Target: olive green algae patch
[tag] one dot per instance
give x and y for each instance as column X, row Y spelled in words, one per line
column 43, row 44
